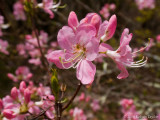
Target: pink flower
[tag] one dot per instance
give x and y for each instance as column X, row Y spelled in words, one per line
column 80, row 48
column 19, row 11
column 78, row 114
column 4, row 46
column 95, row 105
column 82, row 97
column 145, row 4
column 49, row 6
column 22, row 73
column 158, row 38
column 1, row 23
column 123, row 56
column 21, row 49
column 105, row 11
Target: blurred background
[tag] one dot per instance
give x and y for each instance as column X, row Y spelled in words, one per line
column 142, row 85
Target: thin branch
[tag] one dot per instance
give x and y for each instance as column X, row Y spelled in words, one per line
column 71, row 100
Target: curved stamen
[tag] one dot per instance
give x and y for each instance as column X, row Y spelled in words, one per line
column 136, row 64
column 73, row 60
column 142, row 48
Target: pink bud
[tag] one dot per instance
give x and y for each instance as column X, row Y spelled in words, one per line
column 82, row 97
column 29, row 76
column 8, row 114
column 12, row 77
column 27, row 95
column 1, row 104
column 111, row 27
column 14, row 93
column 96, row 21
column 73, row 20
column 22, row 86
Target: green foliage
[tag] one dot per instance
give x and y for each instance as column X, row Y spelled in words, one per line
column 54, row 84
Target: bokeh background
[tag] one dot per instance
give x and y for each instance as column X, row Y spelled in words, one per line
column 142, row 85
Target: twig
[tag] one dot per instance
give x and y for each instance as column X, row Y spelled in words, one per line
column 71, row 100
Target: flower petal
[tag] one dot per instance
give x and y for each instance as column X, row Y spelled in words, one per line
column 124, row 72
column 92, row 49
column 66, row 38
column 55, row 57
column 86, row 71
column 73, row 20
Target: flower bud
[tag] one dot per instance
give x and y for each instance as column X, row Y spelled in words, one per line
column 73, row 20
column 1, row 104
column 27, row 95
column 14, row 93
column 22, row 86
column 110, row 30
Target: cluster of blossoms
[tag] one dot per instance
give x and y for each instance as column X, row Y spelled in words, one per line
column 47, row 5
column 22, row 74
column 105, row 11
column 3, row 43
column 78, row 113
column 22, row 102
column 18, row 12
column 82, row 42
column 145, row 4
column 129, row 111
column 31, row 48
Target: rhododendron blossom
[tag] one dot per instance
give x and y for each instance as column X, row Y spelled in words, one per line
column 123, row 56
column 80, row 41
column 19, row 104
column 22, row 73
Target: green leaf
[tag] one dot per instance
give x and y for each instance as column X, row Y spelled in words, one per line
column 54, row 84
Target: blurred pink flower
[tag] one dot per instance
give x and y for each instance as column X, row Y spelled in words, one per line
column 145, row 4
column 158, row 38
column 78, row 114
column 105, row 11
column 4, row 46
column 22, row 73
column 49, row 7
column 95, row 105
column 19, row 11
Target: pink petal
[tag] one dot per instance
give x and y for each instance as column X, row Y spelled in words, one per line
column 55, row 57
column 111, row 27
column 124, row 72
column 112, row 24
column 102, row 29
column 104, row 47
column 125, row 37
column 93, row 19
column 85, row 33
column 66, row 38
column 86, row 71
column 73, row 20
column 50, row 13
column 92, row 49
